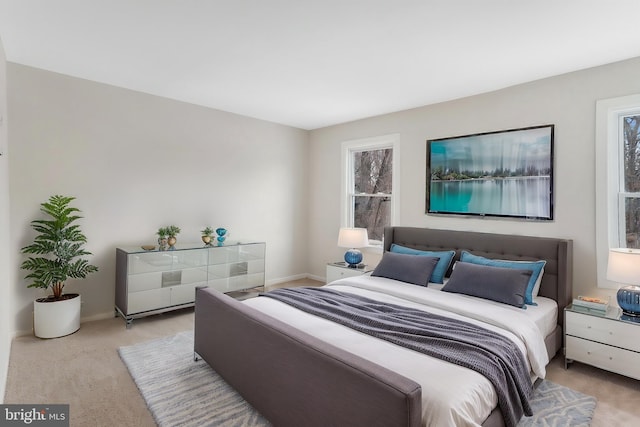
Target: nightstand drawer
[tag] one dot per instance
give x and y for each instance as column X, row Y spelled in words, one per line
column 335, row 272
column 606, row 331
column 613, row 359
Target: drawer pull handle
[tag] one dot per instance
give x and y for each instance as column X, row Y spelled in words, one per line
column 588, row 327
column 589, row 353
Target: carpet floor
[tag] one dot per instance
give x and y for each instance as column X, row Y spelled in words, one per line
column 179, row 391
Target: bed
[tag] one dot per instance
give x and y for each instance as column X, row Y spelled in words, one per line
column 297, row 368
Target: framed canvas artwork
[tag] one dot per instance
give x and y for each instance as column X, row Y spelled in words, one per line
column 505, row 173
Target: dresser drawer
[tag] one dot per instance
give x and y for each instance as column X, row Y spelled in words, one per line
column 138, row 302
column 612, row 359
column 144, row 282
column 606, row 331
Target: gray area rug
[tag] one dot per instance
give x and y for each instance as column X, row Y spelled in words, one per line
column 181, row 392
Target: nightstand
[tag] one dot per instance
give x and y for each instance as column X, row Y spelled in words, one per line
column 340, row 270
column 609, row 341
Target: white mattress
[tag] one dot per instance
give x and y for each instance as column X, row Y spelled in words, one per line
column 451, row 395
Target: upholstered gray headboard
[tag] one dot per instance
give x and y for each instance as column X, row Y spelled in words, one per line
column 557, row 281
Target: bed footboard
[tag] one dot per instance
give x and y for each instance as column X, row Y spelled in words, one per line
column 295, row 379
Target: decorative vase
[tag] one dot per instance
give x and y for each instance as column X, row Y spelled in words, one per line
column 53, row 319
column 206, row 240
column 162, row 243
column 172, row 241
column 221, row 232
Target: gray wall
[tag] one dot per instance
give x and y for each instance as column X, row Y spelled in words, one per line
column 136, row 162
column 568, row 101
column 6, row 290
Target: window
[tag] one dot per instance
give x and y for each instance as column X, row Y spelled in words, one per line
column 370, row 182
column 629, row 187
column 617, row 179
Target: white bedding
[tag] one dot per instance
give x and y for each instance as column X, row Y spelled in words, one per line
column 545, row 314
column 451, row 395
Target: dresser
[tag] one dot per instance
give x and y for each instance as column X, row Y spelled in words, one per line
column 609, row 341
column 150, row 282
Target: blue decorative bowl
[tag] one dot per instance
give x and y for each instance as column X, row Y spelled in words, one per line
column 629, row 300
column 221, row 231
column 353, row 257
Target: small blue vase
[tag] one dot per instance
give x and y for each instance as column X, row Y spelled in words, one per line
column 221, row 235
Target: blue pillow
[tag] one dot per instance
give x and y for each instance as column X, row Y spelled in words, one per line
column 441, row 268
column 535, row 267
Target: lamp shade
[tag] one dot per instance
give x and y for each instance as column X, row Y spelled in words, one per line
column 624, row 266
column 353, row 238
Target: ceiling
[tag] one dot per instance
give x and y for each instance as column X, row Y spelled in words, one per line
column 315, row 63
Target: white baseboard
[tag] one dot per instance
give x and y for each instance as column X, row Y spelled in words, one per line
column 99, row 316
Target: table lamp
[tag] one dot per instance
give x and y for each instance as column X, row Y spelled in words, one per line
column 624, row 267
column 353, row 238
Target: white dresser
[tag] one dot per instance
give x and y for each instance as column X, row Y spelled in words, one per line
column 608, row 341
column 149, row 282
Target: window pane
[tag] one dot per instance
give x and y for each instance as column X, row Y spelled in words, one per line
column 372, row 171
column 631, row 125
column 372, row 213
column 632, row 222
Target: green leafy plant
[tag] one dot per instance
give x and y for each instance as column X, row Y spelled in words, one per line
column 60, row 246
column 208, row 232
column 162, row 232
column 172, row 231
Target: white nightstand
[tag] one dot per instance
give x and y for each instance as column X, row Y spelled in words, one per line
column 608, row 341
column 340, row 270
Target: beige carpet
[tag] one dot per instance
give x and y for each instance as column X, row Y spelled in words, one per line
column 85, row 371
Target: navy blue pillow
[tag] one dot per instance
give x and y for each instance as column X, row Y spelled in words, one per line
column 414, row 269
column 505, row 285
column 441, row 268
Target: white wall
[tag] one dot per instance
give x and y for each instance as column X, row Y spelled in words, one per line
column 568, row 101
column 136, row 162
column 5, row 255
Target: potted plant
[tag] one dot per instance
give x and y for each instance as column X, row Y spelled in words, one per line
column 162, row 238
column 207, row 234
column 172, row 232
column 59, row 256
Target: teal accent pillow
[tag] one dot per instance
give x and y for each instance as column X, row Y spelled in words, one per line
column 441, row 268
column 535, row 267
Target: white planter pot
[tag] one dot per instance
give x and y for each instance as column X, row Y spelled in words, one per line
column 56, row 319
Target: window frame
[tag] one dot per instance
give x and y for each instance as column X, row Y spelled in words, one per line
column 610, row 191
column 391, row 141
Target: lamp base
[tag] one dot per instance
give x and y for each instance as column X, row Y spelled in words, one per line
column 629, row 300
column 629, row 313
column 353, row 257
